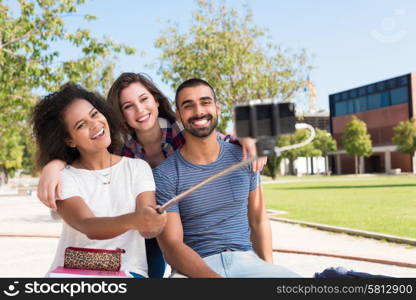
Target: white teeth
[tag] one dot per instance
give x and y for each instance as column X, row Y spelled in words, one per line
column 144, row 118
column 200, row 122
column 101, row 132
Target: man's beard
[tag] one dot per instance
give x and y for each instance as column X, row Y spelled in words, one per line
column 201, row 132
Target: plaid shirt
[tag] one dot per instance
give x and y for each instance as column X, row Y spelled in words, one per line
column 172, row 139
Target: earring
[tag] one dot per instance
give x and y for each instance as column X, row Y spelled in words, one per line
column 71, row 144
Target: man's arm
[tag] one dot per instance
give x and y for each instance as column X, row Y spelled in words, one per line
column 179, row 256
column 261, row 233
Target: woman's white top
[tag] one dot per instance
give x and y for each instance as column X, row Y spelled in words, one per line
column 129, row 178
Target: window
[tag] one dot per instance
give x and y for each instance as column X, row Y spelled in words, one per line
column 402, row 81
column 340, row 108
column 374, row 101
column 345, row 95
column 361, row 104
column 399, row 95
column 391, row 84
column 356, row 105
column 385, row 99
column 353, row 93
column 350, row 107
column 362, row 91
column 380, row 86
column 371, row 88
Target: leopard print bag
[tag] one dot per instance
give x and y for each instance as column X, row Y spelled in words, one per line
column 93, row 259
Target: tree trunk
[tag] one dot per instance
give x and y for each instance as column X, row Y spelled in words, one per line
column 356, row 164
column 4, row 176
column 273, row 168
column 312, row 173
column 291, row 167
column 326, row 165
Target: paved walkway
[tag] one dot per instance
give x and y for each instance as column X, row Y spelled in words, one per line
column 296, row 237
column 31, row 257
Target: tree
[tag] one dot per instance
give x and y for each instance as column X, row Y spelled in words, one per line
column 405, row 138
column 325, row 144
column 296, row 138
column 320, row 146
column 309, row 151
column 233, row 55
column 29, row 62
column 272, row 167
column 356, row 140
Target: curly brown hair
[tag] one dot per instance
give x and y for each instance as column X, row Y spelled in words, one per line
column 50, row 130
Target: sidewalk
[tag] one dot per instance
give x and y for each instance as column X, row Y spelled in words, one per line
column 296, row 237
column 31, row 257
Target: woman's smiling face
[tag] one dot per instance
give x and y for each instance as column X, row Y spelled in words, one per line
column 139, row 107
column 88, row 128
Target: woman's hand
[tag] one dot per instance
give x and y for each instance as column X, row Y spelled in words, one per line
column 249, row 149
column 149, row 222
column 49, row 186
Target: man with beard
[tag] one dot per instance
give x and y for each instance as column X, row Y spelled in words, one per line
column 222, row 229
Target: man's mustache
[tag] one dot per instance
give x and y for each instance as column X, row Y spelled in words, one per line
column 207, row 116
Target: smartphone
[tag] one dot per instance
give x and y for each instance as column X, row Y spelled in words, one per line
column 264, row 119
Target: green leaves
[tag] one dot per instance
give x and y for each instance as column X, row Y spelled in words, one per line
column 324, row 142
column 29, row 62
column 233, row 55
column 272, row 167
column 405, row 137
column 356, row 140
column 299, row 136
column 320, row 146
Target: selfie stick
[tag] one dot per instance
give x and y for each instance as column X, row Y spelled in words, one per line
column 277, row 153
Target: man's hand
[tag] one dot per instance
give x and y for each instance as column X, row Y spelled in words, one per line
column 249, row 149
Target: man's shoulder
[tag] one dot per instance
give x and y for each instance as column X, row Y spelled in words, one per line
column 233, row 149
column 168, row 165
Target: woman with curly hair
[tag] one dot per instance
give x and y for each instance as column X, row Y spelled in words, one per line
column 107, row 201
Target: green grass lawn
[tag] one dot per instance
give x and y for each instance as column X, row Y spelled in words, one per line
column 383, row 204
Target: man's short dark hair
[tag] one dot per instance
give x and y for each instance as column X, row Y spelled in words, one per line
column 192, row 83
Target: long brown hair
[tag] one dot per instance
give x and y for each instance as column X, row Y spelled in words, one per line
column 123, row 81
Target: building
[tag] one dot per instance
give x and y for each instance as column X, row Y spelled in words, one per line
column 381, row 105
column 319, row 119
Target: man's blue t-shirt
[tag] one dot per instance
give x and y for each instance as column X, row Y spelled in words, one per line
column 214, row 218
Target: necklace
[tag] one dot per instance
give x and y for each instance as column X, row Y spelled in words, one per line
column 103, row 177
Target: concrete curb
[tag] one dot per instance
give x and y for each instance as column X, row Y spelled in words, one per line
column 360, row 258
column 367, row 234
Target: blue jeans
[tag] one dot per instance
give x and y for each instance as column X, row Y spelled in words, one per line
column 135, row 275
column 239, row 264
column 155, row 261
